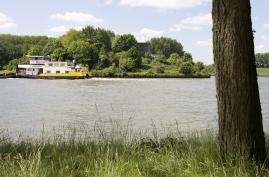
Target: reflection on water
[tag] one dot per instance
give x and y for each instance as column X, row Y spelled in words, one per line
column 190, row 104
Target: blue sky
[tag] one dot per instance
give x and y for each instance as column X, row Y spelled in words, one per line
column 188, row 21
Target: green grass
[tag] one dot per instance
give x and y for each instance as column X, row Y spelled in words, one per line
column 195, row 155
column 263, row 71
column 6, row 72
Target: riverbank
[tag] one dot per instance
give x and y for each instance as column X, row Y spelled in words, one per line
column 194, row 155
column 11, row 74
column 263, row 72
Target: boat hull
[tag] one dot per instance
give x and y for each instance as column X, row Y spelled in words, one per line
column 51, row 77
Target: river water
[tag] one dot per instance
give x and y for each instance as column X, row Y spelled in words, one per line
column 31, row 106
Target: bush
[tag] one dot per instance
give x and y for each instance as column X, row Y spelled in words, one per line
column 146, row 60
column 173, row 59
column 126, row 64
column 159, row 68
column 107, row 72
column 198, row 67
column 186, row 68
column 187, row 57
column 209, row 70
column 159, row 59
column 12, row 65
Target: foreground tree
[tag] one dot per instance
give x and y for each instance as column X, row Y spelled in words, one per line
column 240, row 119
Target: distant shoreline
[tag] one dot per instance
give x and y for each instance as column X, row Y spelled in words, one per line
column 120, row 77
column 262, row 72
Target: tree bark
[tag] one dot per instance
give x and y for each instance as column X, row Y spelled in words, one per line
column 240, row 118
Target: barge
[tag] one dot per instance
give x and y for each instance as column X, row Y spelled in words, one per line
column 41, row 67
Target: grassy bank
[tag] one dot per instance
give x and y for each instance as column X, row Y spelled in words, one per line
column 195, row 155
column 263, row 71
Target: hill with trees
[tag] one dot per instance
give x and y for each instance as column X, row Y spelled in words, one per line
column 105, row 53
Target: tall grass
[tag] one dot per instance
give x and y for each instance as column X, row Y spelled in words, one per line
column 172, row 156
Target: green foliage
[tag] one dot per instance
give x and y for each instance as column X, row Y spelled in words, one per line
column 123, row 43
column 104, row 39
column 12, row 64
column 60, row 54
column 209, row 70
column 146, row 60
column 262, row 60
column 126, row 63
column 187, row 57
column 160, row 58
column 35, row 50
column 100, row 37
column 174, row 59
column 186, row 68
column 159, row 68
column 51, row 46
column 104, row 60
column 166, row 46
column 88, row 33
column 12, row 46
column 71, row 36
column 129, row 60
column 198, row 67
column 84, row 53
column 107, row 72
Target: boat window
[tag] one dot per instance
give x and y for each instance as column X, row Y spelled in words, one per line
column 62, row 64
column 66, row 72
column 50, row 64
column 58, row 72
column 48, row 72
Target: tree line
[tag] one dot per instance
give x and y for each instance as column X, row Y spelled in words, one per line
column 100, row 49
column 262, row 60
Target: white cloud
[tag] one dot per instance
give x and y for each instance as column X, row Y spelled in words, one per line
column 163, row 4
column 62, row 29
column 6, row 23
column 259, row 48
column 193, row 23
column 205, row 43
column 59, row 29
column 77, row 17
column 108, row 2
column 265, row 38
column 146, row 34
column 266, row 25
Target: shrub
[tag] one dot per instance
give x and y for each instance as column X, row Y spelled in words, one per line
column 159, row 68
column 209, row 70
column 146, row 60
column 186, row 68
column 126, row 64
column 159, row 59
column 107, row 72
column 173, row 59
column 198, row 67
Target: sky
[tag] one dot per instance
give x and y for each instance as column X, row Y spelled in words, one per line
column 187, row 21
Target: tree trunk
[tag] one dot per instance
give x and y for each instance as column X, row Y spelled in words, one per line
column 240, row 118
